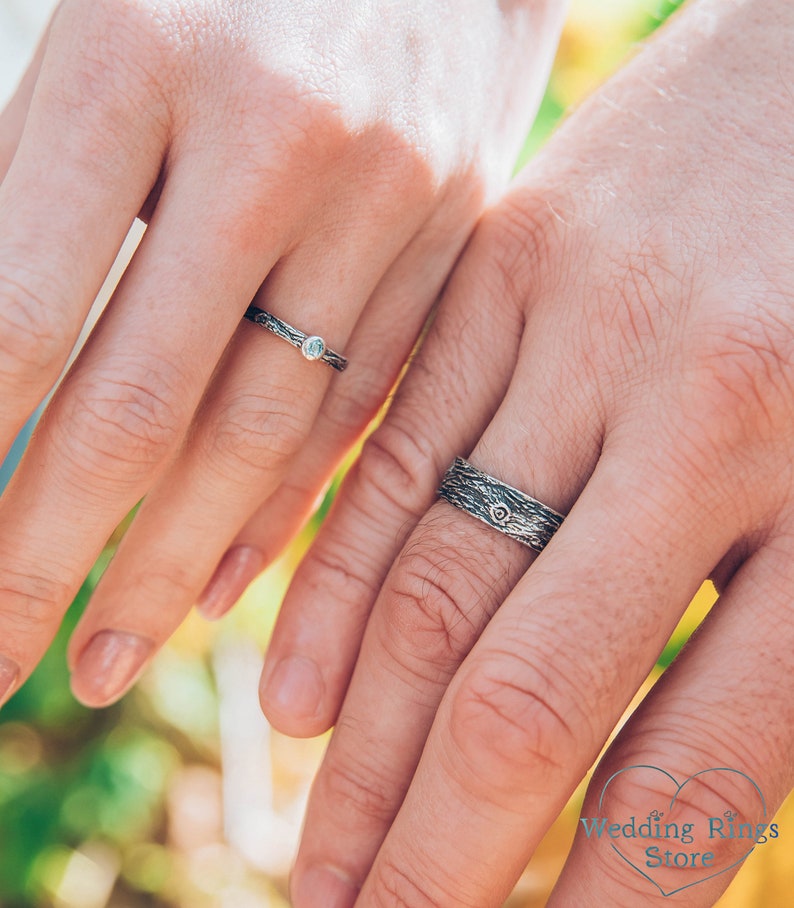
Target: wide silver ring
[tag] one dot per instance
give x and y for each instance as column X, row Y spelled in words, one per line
column 512, row 512
column 312, row 346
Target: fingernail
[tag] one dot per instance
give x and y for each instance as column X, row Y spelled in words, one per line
column 295, row 687
column 237, row 569
column 108, row 666
column 9, row 675
column 324, row 886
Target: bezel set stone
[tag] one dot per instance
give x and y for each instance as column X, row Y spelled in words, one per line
column 313, row 347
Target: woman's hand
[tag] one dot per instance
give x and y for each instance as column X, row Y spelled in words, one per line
column 618, row 342
column 324, row 160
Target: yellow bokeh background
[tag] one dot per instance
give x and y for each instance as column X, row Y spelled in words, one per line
column 182, row 795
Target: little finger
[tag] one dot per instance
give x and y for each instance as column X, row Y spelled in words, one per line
column 720, row 722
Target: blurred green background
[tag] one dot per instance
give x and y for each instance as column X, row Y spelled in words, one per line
column 181, row 795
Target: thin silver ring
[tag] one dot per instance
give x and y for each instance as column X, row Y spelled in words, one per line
column 312, row 346
column 512, row 512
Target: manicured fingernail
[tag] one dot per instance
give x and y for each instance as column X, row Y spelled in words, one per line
column 108, row 666
column 295, row 687
column 324, row 886
column 238, row 567
column 9, row 675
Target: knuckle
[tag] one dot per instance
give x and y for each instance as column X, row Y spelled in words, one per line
column 123, row 58
column 523, row 243
column 255, row 432
column 31, row 347
column 130, row 423
column 396, row 178
column 350, row 784
column 171, row 584
column 513, row 724
column 276, row 133
column 29, row 604
column 743, row 375
column 430, row 621
column 396, row 888
column 397, row 468
column 635, row 303
column 352, row 405
column 111, row 35
column 336, row 565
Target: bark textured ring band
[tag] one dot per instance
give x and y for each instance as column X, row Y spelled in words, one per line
column 310, row 345
column 502, row 507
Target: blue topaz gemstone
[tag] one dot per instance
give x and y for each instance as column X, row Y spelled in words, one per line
column 313, row 347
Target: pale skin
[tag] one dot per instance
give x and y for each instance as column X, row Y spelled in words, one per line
column 326, row 161
column 618, row 341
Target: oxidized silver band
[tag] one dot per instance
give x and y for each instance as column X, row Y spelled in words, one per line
column 502, row 507
column 310, row 345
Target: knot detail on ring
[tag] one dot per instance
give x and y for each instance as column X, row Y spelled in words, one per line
column 500, row 513
column 312, row 346
column 512, row 512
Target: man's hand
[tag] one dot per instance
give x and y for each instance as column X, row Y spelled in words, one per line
column 618, row 342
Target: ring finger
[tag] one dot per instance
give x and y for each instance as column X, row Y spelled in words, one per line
column 253, row 421
column 531, row 706
column 410, row 287
column 436, row 601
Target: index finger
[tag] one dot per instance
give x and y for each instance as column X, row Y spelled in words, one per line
column 83, row 169
column 15, row 112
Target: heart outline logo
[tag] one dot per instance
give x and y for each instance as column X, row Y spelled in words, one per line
column 679, row 787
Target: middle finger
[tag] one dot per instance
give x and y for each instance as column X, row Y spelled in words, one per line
column 123, row 408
